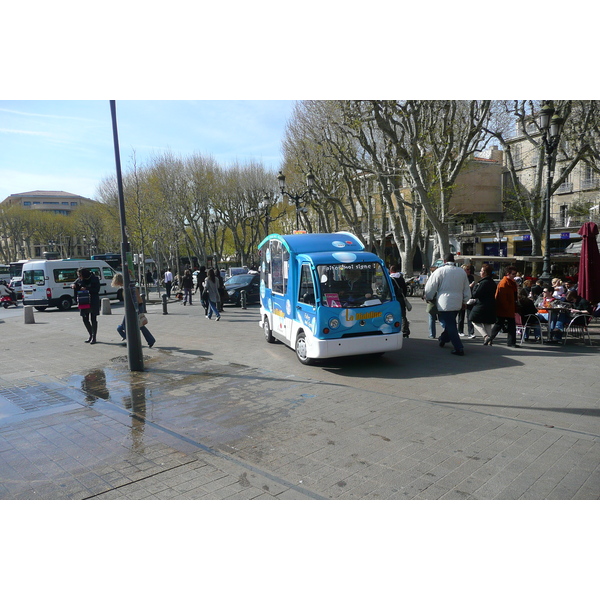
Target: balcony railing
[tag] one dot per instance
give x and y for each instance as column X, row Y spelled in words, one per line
column 556, row 221
column 590, row 183
column 564, row 188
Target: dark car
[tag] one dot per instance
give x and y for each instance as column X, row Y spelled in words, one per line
column 249, row 282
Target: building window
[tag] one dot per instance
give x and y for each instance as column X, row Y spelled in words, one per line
column 517, row 158
column 564, row 215
column 566, row 187
column 589, row 179
column 26, row 203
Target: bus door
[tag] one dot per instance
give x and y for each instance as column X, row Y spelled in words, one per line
column 306, row 306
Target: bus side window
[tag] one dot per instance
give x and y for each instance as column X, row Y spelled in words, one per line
column 306, row 293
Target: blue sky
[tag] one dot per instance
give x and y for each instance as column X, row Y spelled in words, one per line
column 68, row 145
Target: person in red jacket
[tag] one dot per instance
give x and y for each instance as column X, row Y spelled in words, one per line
column 506, row 306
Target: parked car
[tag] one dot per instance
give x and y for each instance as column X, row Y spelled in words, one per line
column 249, row 282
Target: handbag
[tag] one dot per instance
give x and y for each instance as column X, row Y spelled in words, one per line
column 408, row 304
column 432, row 307
column 142, row 319
column 83, row 299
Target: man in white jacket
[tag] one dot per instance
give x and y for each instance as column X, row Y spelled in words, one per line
column 449, row 287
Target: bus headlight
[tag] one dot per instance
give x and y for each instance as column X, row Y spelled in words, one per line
column 389, row 318
column 334, row 323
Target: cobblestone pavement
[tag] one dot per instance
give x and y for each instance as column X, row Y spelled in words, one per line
column 219, row 414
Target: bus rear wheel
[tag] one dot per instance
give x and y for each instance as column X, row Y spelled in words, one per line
column 64, row 303
column 302, row 350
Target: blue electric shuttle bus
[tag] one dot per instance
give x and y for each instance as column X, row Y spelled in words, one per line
column 324, row 296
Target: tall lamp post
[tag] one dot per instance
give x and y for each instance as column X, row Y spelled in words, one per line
column 551, row 127
column 213, row 225
column 265, row 206
column 310, row 182
column 499, row 236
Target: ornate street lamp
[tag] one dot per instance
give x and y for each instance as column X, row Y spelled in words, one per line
column 310, row 182
column 213, row 225
column 500, row 235
column 551, row 126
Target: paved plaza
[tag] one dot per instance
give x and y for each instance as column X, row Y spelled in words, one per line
column 220, row 414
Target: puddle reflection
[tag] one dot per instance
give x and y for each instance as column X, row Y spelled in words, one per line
column 94, row 385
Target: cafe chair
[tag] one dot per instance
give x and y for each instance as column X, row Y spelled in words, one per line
column 578, row 329
column 534, row 324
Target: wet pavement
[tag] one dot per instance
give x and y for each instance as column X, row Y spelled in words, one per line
column 219, row 414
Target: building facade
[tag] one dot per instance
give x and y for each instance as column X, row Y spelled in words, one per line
column 62, row 203
column 64, row 246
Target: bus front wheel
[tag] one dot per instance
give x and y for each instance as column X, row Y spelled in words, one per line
column 302, row 350
column 267, row 331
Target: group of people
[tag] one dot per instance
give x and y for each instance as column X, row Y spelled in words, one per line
column 490, row 307
column 87, row 296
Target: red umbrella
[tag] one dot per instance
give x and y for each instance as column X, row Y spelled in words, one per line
column 589, row 264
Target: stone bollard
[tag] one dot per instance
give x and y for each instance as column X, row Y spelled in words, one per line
column 28, row 315
column 106, row 306
column 164, row 300
column 243, row 298
column 143, row 297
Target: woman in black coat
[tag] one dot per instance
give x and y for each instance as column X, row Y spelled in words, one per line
column 88, row 281
column 483, row 311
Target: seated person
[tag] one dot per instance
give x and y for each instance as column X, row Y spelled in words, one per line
column 558, row 319
column 526, row 307
column 536, row 290
column 355, row 290
column 559, row 289
column 6, row 290
column 580, row 305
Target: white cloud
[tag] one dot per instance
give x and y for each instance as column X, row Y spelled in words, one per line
column 23, row 132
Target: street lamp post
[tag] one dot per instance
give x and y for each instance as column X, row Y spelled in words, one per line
column 310, row 182
column 551, row 127
column 265, row 206
column 500, row 235
column 213, row 225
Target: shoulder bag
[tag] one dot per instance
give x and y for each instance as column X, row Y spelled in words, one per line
column 83, row 299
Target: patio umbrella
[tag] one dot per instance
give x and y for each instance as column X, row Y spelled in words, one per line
column 588, row 285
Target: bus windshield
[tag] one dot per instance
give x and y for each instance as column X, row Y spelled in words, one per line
column 353, row 284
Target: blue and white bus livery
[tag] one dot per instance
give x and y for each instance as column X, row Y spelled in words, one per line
column 325, row 296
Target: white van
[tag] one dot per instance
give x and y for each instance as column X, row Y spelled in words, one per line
column 48, row 282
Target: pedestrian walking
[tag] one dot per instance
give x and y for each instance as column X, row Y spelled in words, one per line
column 168, row 278
column 117, row 281
column 506, row 307
column 187, row 283
column 401, row 292
column 465, row 313
column 483, row 304
column 211, row 291
column 87, row 294
column 449, row 287
column 222, row 292
column 200, row 277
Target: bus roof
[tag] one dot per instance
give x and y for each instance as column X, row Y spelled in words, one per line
column 307, row 243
